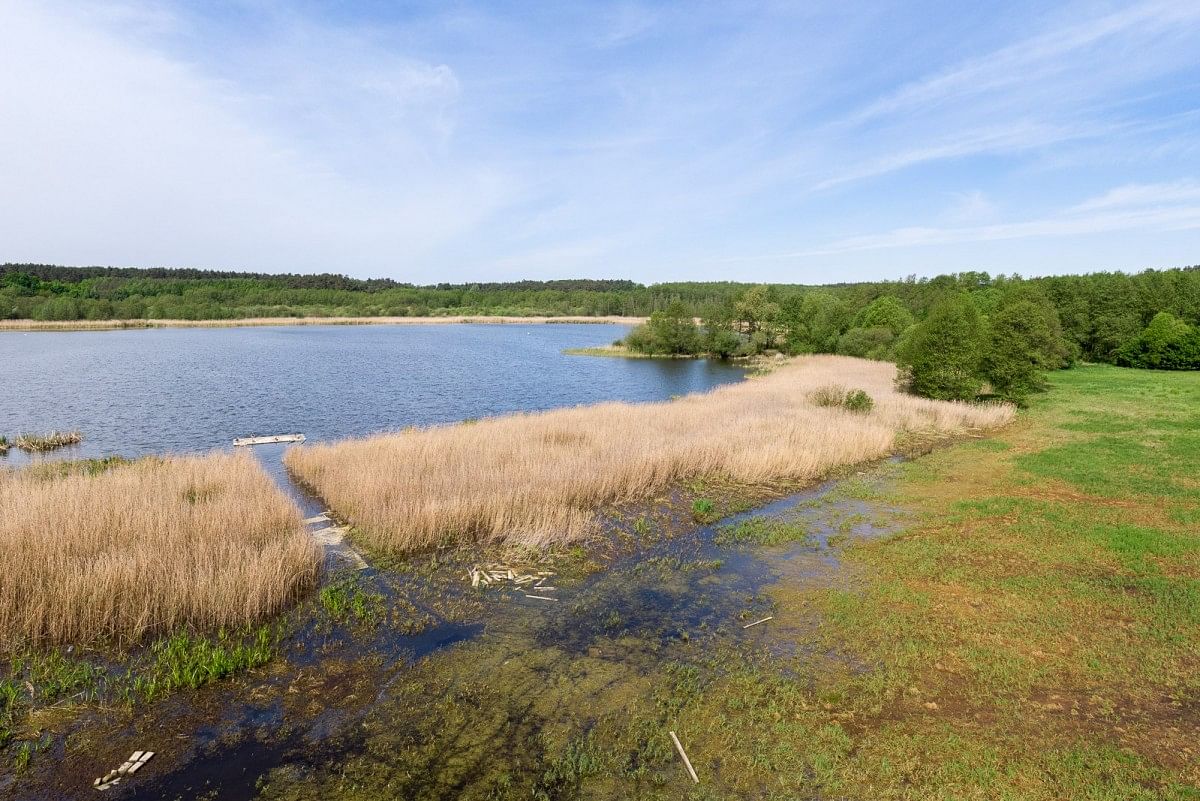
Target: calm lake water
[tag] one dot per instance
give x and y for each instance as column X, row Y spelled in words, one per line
column 195, row 389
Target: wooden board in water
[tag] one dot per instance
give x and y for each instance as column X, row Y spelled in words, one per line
column 268, row 440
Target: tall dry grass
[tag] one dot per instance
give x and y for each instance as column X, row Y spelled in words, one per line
column 538, row 478
column 146, row 547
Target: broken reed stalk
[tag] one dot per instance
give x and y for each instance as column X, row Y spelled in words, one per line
column 686, row 762
column 537, row 479
column 755, row 623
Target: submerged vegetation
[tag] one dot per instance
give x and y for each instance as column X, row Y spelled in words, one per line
column 538, row 478
column 39, row 443
column 145, row 547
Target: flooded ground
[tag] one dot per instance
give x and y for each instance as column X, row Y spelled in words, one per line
column 412, row 684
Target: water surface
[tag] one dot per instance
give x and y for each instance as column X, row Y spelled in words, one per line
column 195, row 389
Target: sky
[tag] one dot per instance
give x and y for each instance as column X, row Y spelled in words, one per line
column 804, row 142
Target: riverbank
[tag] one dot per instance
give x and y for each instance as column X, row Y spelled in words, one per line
column 105, row 325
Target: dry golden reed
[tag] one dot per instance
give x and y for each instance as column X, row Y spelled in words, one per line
column 143, row 548
column 538, row 478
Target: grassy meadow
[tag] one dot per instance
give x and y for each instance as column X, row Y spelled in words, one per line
column 1035, row 635
column 537, row 479
column 110, row 552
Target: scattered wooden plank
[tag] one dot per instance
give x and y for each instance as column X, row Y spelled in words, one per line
column 755, row 623
column 241, row 441
column 321, row 518
column 687, row 762
column 541, row 597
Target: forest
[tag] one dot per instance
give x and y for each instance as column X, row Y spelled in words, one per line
column 1148, row 319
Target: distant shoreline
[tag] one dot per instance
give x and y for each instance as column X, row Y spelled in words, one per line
column 249, row 322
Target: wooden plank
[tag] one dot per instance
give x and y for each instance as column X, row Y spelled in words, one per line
column 240, row 441
column 321, row 518
column 755, row 623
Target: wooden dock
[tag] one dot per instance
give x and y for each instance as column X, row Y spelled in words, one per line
column 268, row 440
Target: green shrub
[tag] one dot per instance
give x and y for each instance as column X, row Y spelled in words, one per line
column 703, row 509
column 830, row 395
column 940, row 356
column 1168, row 343
column 857, row 400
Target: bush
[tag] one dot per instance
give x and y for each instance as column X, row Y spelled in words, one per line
column 1025, row 341
column 671, row 331
column 855, row 400
column 858, row 401
column 830, row 395
column 1168, row 343
column 940, row 356
column 867, row 343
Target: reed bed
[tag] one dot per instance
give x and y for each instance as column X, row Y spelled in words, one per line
column 146, row 547
column 40, row 443
column 537, row 479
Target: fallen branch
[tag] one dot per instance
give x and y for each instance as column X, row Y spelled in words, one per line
column 686, row 762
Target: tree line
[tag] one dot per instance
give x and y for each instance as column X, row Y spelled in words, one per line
column 1148, row 319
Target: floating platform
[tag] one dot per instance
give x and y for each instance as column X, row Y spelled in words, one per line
column 269, row 440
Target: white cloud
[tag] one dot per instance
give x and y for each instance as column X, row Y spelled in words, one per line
column 1133, row 195
column 112, row 150
column 1120, row 210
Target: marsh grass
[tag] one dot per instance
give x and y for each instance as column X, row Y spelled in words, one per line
column 40, row 443
column 761, row 531
column 346, row 600
column 537, row 479
column 109, row 553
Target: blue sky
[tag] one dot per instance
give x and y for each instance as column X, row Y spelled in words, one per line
column 806, row 142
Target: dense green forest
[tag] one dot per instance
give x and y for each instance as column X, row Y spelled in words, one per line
column 1147, row 319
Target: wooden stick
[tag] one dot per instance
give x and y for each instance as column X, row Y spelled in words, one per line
column 687, row 762
column 755, row 623
column 541, row 597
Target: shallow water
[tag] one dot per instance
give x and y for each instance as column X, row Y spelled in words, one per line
column 196, row 389
column 388, row 707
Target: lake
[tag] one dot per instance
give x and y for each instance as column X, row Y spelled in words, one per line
column 196, row 389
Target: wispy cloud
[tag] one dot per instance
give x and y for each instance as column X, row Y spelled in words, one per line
column 1164, row 207
column 434, row 142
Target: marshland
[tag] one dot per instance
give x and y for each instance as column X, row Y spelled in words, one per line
column 821, row 582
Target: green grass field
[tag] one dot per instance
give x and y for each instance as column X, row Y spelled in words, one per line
column 1036, row 634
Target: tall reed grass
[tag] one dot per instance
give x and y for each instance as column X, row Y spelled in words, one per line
column 144, row 548
column 538, row 478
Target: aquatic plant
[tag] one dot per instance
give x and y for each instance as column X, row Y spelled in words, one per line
column 514, row 479
column 4, row 446
column 131, row 555
column 702, row 509
column 38, row 443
